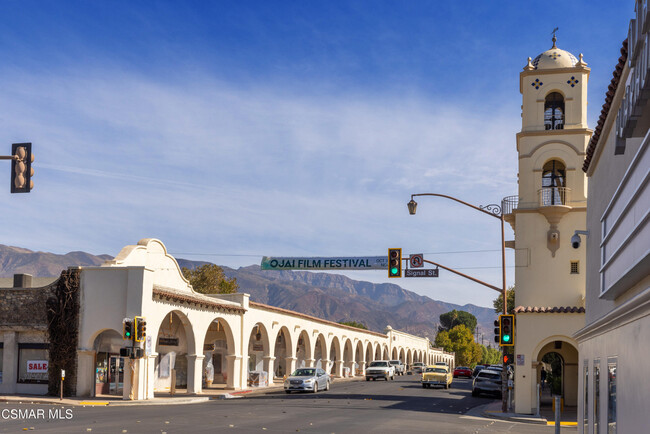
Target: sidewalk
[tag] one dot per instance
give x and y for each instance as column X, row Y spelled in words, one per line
column 547, row 417
column 181, row 397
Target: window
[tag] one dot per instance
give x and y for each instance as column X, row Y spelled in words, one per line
column 611, row 395
column 554, row 111
column 574, row 267
column 553, row 183
column 585, row 398
column 33, row 360
column 596, row 394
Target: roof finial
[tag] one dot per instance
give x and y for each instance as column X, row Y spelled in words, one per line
column 554, row 37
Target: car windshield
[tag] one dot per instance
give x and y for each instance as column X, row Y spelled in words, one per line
column 436, row 370
column 394, row 362
column 303, row 373
column 490, row 375
column 378, row 364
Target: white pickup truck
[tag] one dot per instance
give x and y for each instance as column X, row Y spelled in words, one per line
column 380, row 369
column 400, row 368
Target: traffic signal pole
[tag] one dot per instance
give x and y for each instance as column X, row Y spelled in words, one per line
column 495, row 211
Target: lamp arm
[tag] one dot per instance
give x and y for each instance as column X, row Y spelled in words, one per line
column 493, row 210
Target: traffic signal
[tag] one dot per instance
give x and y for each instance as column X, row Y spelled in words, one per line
column 21, row 168
column 507, row 359
column 394, row 262
column 140, row 328
column 497, row 331
column 507, row 333
column 127, row 328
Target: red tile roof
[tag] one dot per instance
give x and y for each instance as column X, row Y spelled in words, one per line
column 611, row 90
column 555, row 309
column 312, row 318
column 201, row 301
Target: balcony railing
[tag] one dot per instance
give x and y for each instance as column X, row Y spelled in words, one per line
column 509, row 204
column 550, row 196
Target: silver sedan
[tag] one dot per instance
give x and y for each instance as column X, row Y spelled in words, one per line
column 307, row 379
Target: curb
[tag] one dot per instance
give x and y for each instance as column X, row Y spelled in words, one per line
column 514, row 417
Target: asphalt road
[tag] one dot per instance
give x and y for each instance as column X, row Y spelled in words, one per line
column 399, row 406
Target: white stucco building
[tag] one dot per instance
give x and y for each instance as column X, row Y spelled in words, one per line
column 245, row 343
column 614, row 345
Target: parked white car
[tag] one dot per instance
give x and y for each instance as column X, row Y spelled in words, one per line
column 400, row 368
column 380, row 369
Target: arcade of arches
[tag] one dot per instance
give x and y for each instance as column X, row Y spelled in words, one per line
column 198, row 341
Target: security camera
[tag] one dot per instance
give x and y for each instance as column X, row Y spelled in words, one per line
column 575, row 241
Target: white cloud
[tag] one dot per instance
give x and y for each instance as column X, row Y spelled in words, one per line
column 211, row 166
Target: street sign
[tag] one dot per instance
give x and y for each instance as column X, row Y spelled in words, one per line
column 421, row 273
column 417, row 260
column 349, row 263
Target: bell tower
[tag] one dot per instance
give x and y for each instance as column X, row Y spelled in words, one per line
column 550, row 206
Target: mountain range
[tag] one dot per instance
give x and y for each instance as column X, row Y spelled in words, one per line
column 329, row 296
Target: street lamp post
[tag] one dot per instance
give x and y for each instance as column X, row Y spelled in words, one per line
column 495, row 211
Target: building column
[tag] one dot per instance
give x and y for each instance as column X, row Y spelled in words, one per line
column 150, row 375
column 269, row 367
column 290, row 363
column 309, row 363
column 338, row 368
column 9, row 363
column 233, row 372
column 86, row 373
column 326, row 365
column 350, row 365
column 195, row 373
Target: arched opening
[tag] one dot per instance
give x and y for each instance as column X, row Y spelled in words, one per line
column 385, row 354
column 554, row 190
column 401, row 356
column 359, row 360
column 558, row 365
column 320, row 353
column 335, row 358
column 369, row 357
column 409, row 357
column 348, row 359
column 258, row 356
column 175, row 341
column 303, row 351
column 554, row 111
column 219, row 350
column 394, row 355
column 281, row 352
column 109, row 366
column 377, row 352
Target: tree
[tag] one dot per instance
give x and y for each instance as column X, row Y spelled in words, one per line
column 498, row 303
column 490, row 356
column 451, row 319
column 460, row 340
column 210, row 279
column 358, row 325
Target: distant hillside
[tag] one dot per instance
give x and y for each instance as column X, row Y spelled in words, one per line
column 329, row 296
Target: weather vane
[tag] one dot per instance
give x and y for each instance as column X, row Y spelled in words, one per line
column 554, row 37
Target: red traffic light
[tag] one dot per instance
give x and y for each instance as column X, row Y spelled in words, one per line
column 507, row 359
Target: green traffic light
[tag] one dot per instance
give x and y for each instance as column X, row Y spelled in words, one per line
column 393, row 270
column 506, row 338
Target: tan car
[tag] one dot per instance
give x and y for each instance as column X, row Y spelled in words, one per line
column 436, row 376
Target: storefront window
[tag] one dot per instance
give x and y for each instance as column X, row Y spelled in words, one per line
column 611, row 394
column 596, row 394
column 33, row 360
column 585, row 398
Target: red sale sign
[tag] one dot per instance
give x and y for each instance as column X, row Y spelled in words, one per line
column 37, row 366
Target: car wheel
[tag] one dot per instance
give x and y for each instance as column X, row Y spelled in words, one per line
column 367, row 379
column 392, row 378
column 287, row 392
column 327, row 386
column 424, row 386
column 315, row 387
column 475, row 392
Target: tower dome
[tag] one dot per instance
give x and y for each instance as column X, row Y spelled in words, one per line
column 554, row 58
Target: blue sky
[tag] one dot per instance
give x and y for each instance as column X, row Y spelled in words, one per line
column 233, row 130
